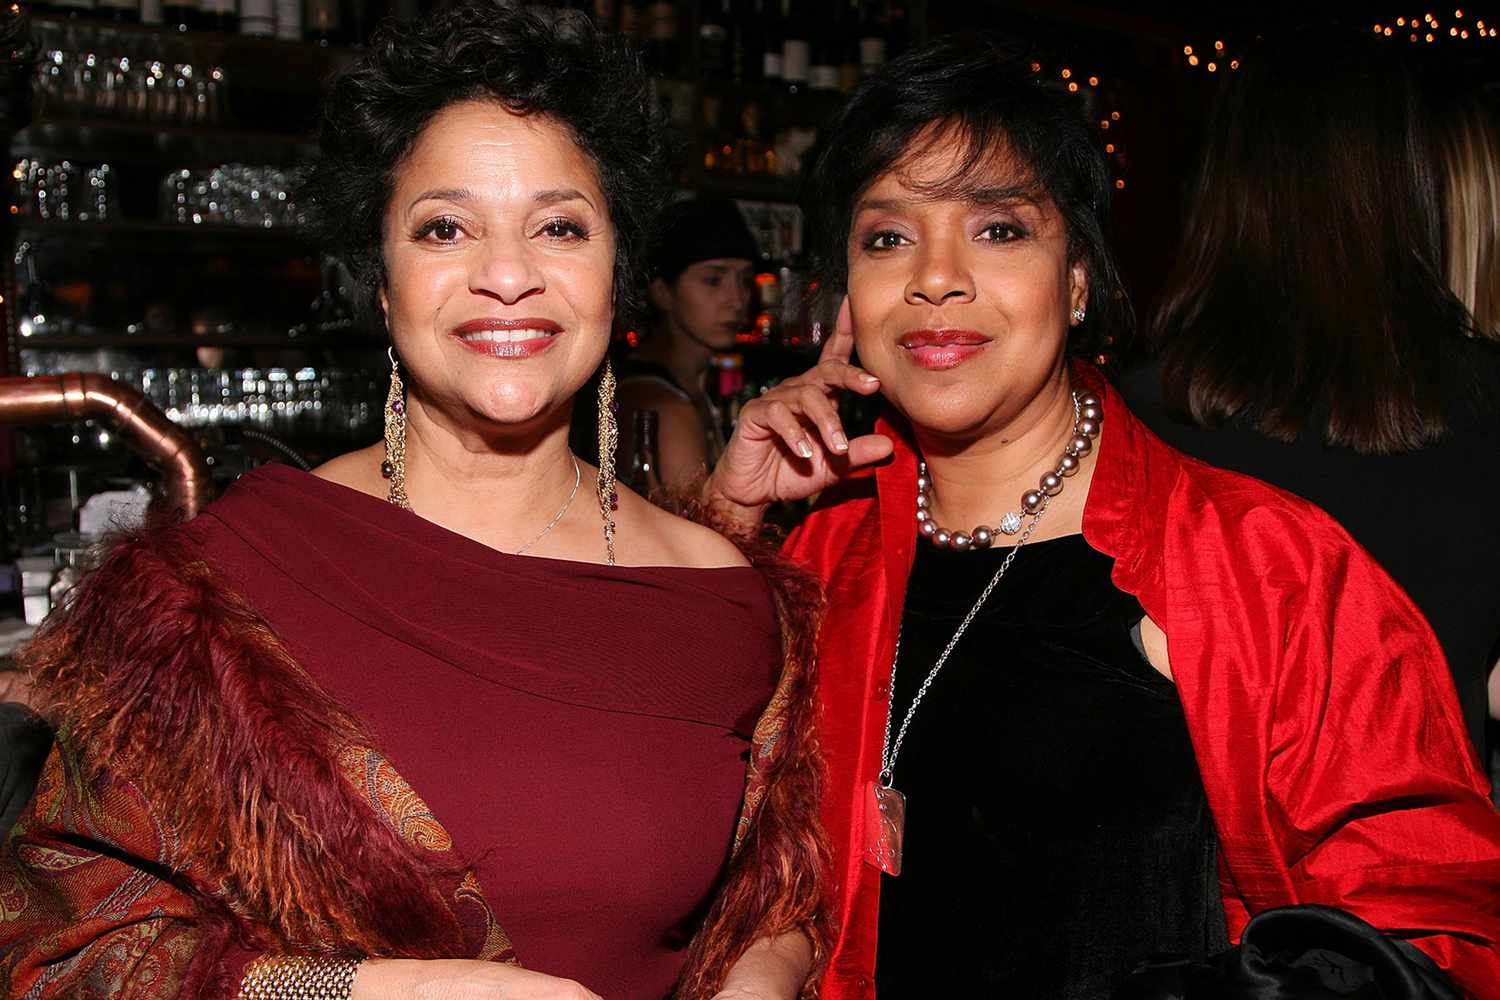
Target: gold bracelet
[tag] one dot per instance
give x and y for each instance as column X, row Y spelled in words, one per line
column 299, row 977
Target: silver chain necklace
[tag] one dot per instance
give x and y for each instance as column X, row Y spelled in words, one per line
column 577, row 478
column 889, row 751
column 885, row 807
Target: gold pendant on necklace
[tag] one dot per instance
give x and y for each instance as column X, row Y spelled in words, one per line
column 885, row 822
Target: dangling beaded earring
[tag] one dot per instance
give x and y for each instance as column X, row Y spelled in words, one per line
column 394, row 466
column 609, row 441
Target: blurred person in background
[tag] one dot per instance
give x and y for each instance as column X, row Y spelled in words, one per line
column 1468, row 141
column 702, row 280
column 1307, row 335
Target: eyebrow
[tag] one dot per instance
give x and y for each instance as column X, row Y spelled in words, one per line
column 552, row 196
column 442, row 194
column 557, row 195
column 988, row 196
column 1026, row 194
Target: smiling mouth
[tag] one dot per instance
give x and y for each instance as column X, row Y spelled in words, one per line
column 506, row 336
column 939, row 350
column 943, row 338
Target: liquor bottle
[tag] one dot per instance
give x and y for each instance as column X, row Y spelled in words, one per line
column 737, row 46
column 659, row 38
column 151, row 13
column 355, row 16
column 643, row 473
column 872, row 46
column 604, row 13
column 323, row 23
column 258, row 18
column 121, row 11
column 896, row 29
column 288, row 15
column 750, row 155
column 848, row 43
column 713, row 40
column 823, row 66
column 795, row 47
column 768, row 15
column 718, row 148
column 768, row 314
column 219, row 15
column 630, row 20
column 180, row 15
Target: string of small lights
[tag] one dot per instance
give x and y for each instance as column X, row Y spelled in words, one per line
column 1221, row 59
column 1076, row 80
column 1429, row 28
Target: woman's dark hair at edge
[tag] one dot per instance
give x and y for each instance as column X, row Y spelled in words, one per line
column 587, row 81
column 979, row 94
column 1308, row 293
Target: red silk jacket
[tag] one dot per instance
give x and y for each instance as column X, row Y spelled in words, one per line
column 1319, row 705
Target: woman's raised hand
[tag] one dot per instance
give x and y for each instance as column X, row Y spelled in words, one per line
column 789, row 443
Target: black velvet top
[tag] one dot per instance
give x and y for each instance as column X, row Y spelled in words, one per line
column 1057, row 831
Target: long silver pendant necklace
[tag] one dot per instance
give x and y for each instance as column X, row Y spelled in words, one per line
column 885, row 807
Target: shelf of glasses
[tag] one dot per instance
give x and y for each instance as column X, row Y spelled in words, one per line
column 350, row 340
column 105, row 140
column 271, row 63
column 165, row 236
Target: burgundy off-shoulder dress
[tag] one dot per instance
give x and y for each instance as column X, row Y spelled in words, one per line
column 580, row 731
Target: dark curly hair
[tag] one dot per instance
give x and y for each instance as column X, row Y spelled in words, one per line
column 586, row 80
column 979, row 94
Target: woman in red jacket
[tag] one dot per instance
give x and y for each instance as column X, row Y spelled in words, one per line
column 1189, row 714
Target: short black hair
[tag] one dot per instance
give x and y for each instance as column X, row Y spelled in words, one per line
column 979, row 93
column 588, row 81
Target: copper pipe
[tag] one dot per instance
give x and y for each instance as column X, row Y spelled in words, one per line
column 48, row 399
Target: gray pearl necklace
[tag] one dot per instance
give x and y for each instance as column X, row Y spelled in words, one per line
column 1088, row 418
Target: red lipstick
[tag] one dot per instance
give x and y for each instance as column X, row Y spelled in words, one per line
column 496, row 337
column 938, row 350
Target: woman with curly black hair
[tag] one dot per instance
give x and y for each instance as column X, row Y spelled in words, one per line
column 334, row 734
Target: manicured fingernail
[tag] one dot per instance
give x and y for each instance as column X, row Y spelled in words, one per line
column 804, row 449
column 839, row 441
column 869, row 379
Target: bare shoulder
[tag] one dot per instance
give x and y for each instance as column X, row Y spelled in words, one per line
column 668, row 540
column 358, row 470
column 670, row 403
column 651, row 391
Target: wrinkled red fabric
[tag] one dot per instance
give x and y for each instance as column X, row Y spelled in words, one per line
column 1320, row 708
